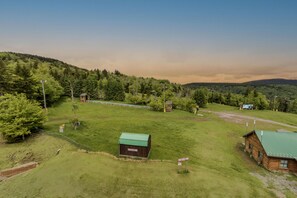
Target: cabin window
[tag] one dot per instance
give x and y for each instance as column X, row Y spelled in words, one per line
column 283, row 164
column 260, row 154
column 250, row 146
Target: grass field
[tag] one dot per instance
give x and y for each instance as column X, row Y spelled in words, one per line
column 77, row 174
column 287, row 118
column 218, row 168
column 39, row 148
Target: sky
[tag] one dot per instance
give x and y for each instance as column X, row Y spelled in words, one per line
column 183, row 41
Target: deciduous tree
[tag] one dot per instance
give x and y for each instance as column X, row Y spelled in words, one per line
column 19, row 116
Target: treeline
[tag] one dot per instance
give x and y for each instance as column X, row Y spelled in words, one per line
column 21, row 73
column 251, row 96
column 281, row 90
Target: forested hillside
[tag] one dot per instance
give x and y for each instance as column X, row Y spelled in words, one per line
column 22, row 73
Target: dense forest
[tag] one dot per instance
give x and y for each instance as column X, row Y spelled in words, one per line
column 22, row 73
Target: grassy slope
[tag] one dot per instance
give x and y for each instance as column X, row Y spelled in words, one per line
column 218, row 167
column 39, row 148
column 287, row 118
column 90, row 175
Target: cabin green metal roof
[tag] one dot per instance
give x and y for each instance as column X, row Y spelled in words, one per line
column 135, row 139
column 279, row 144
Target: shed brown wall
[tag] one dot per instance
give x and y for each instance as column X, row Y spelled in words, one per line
column 141, row 150
column 270, row 163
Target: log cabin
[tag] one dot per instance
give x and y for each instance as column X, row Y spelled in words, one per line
column 276, row 151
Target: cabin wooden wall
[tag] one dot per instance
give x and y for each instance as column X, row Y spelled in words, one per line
column 274, row 164
column 270, row 163
column 257, row 146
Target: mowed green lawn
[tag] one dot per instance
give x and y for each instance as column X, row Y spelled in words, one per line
column 218, row 168
column 38, row 148
column 287, row 118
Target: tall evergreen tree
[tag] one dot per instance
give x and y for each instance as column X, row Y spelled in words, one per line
column 4, row 78
column 24, row 82
column 114, row 90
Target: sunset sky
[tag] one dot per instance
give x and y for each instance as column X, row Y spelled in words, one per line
column 183, row 41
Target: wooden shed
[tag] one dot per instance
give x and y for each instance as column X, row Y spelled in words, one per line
column 84, row 97
column 135, row 145
column 276, row 151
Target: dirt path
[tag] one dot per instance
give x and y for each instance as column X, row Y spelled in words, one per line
column 278, row 184
column 241, row 118
column 119, row 104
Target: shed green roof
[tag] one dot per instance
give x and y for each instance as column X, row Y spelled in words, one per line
column 135, row 139
column 279, row 144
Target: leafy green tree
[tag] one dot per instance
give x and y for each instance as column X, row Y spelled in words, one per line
column 261, row 102
column 105, row 73
column 248, row 91
column 200, row 97
column 53, row 89
column 114, row 90
column 294, row 106
column 146, row 86
column 91, row 87
column 134, row 88
column 102, row 87
column 222, row 99
column 184, row 103
column 284, row 104
column 98, row 74
column 19, row 116
column 135, row 99
column 228, row 98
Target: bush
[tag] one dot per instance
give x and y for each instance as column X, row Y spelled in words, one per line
column 185, row 104
column 156, row 104
column 19, row 116
column 135, row 99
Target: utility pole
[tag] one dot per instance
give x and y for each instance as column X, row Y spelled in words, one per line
column 274, row 107
column 164, row 87
column 254, row 124
column 44, row 100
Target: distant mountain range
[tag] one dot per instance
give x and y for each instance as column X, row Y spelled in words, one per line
column 275, row 81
